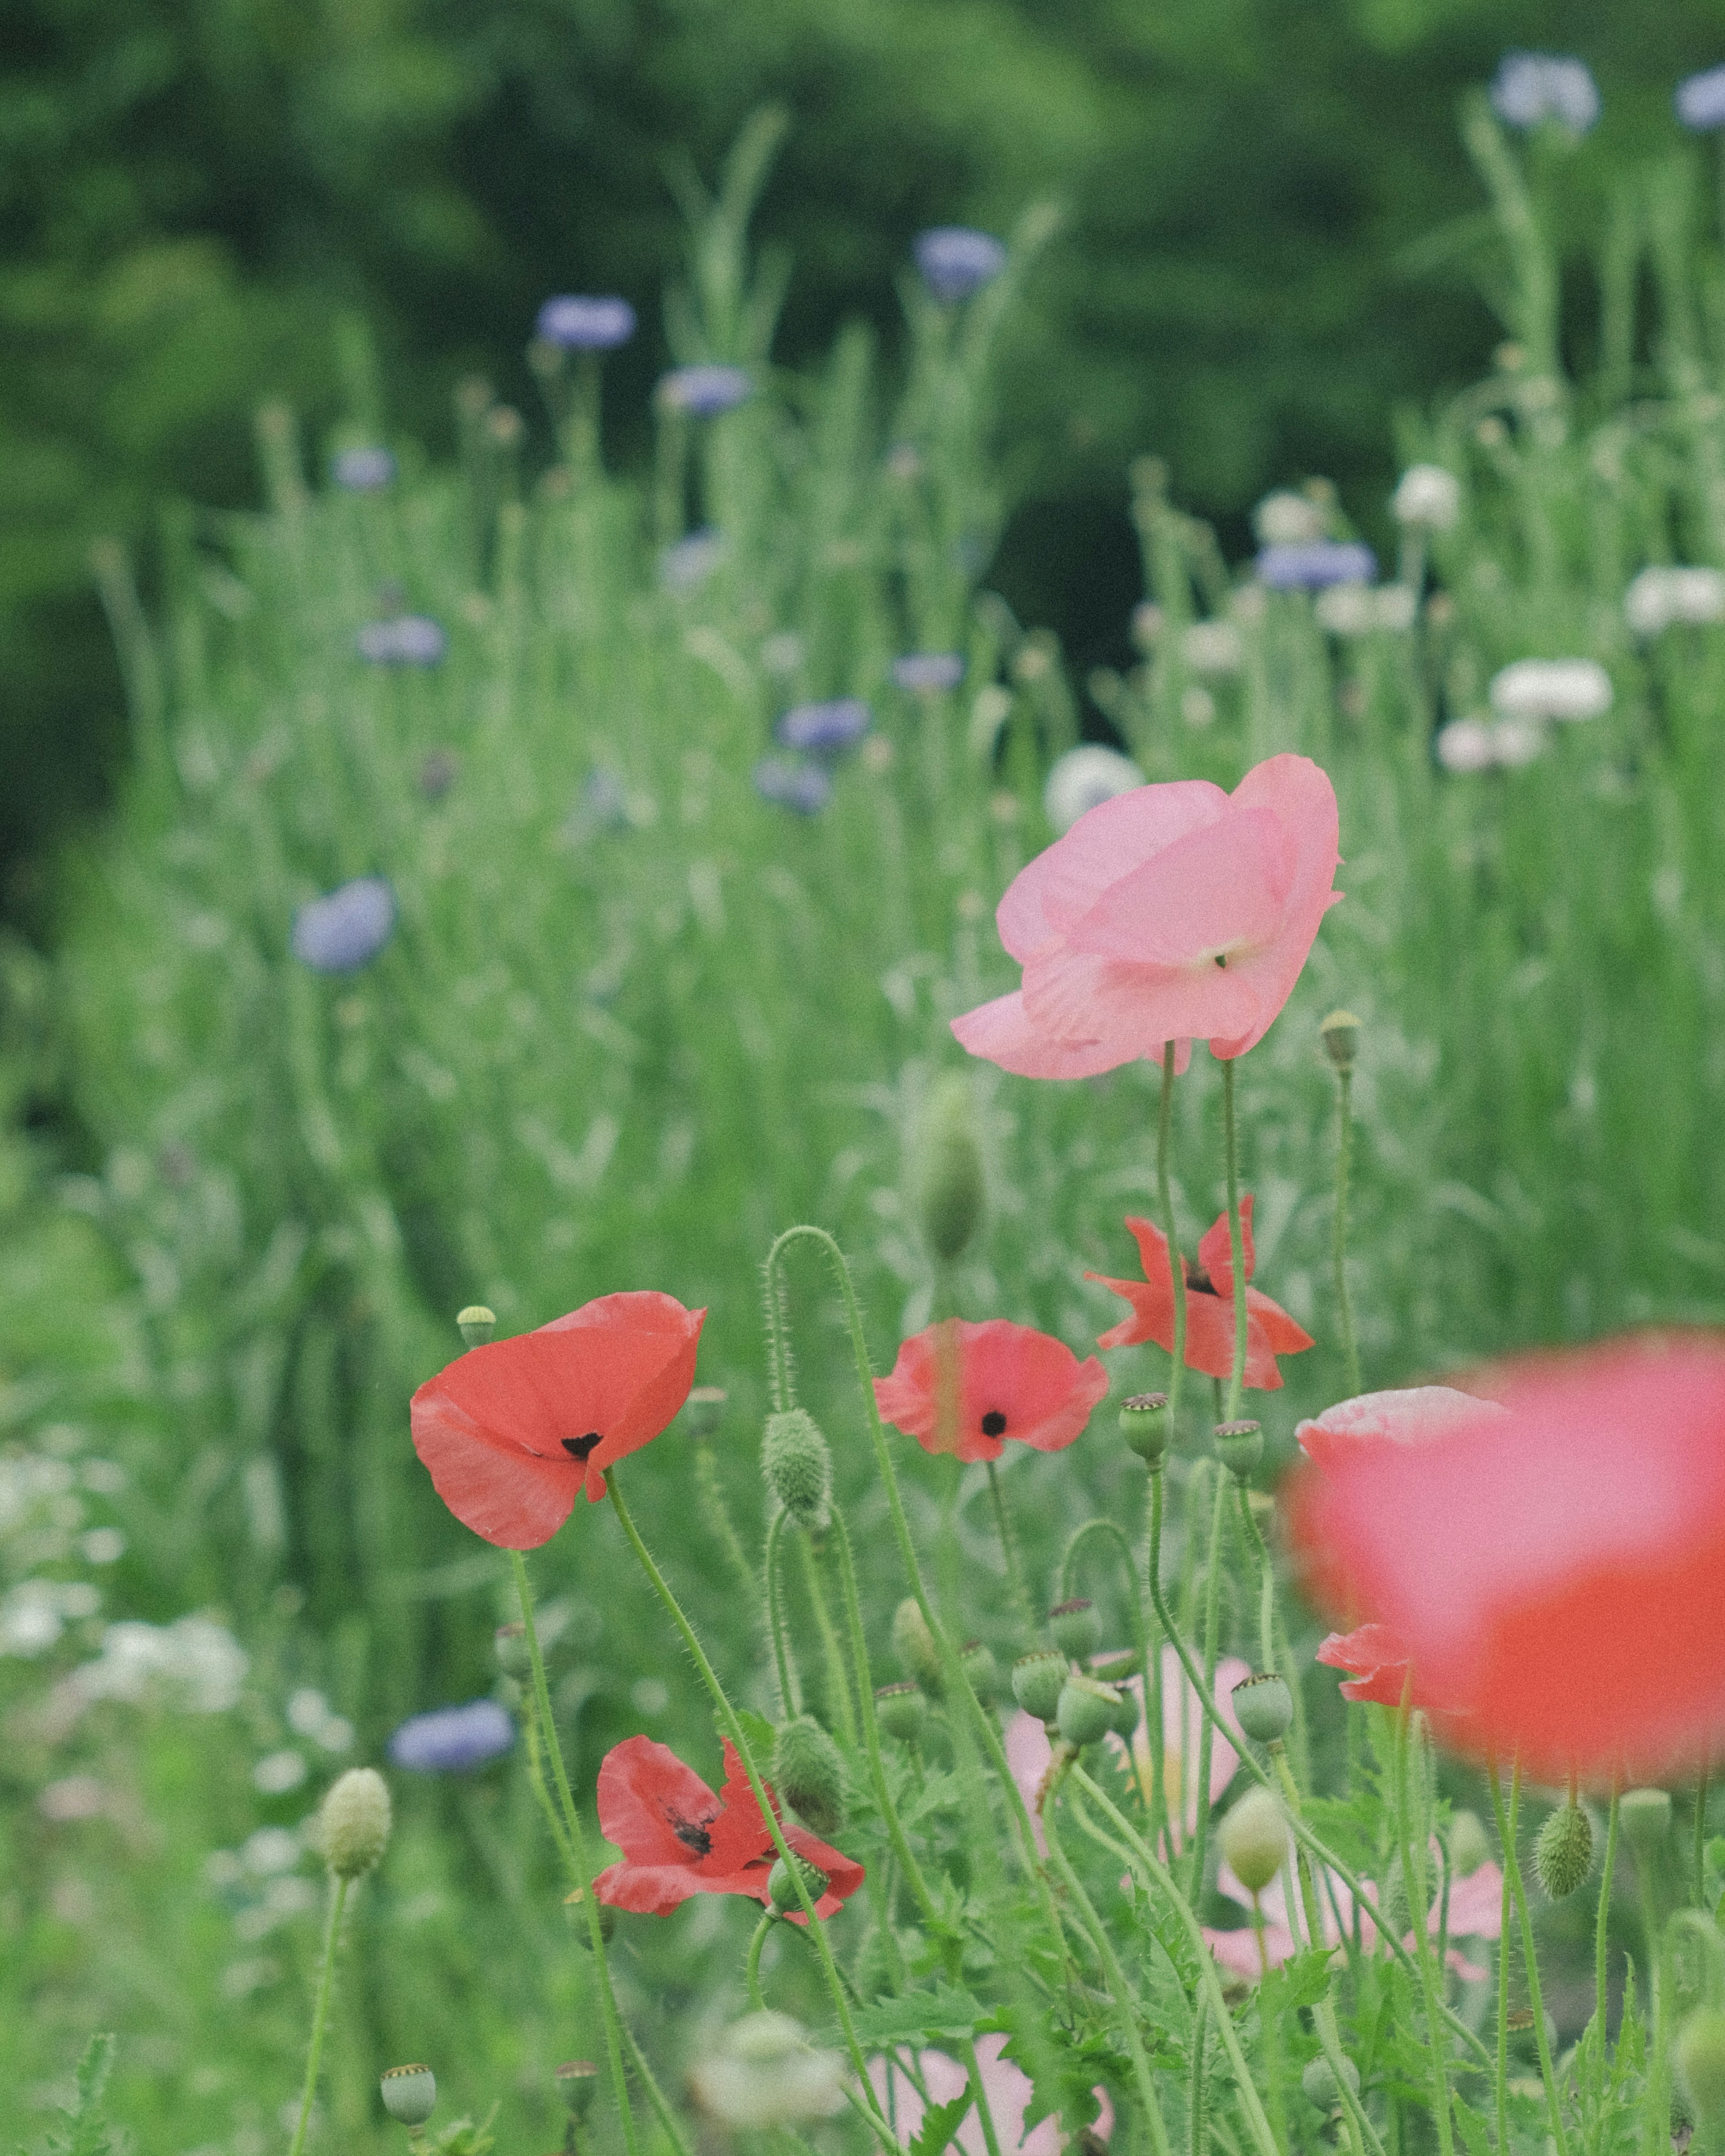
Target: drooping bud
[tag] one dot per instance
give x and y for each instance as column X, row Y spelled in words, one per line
column 1078, row 1630
column 409, row 2094
column 1319, row 2081
column 353, row 1824
column 902, row 1712
column 510, row 1643
column 765, row 2072
column 575, row 1904
column 1239, row 1446
column 1038, row 1679
column 1263, row 1707
column 476, row 1324
column 913, row 1643
column 809, row 1773
column 797, row 1467
column 1645, row 1817
column 1340, row 1035
column 976, row 1658
column 951, row 1194
column 576, row 2080
column 1469, row 1845
column 1563, row 1851
column 782, row 1888
column 1144, row 1425
column 1085, row 1710
column 1699, row 2053
column 704, row 1410
column 1253, row 1840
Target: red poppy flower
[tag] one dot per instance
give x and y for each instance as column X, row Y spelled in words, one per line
column 966, row 1389
column 1377, row 1660
column 678, row 1839
column 1552, row 1573
column 513, row 1430
column 1173, row 912
column 1209, row 1305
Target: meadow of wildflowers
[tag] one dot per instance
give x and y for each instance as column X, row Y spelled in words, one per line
column 535, row 896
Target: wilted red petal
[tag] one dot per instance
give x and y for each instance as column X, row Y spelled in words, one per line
column 1378, row 1662
column 966, row 1389
column 512, row 1431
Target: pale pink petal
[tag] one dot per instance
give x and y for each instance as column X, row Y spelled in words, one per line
column 1007, row 2089
column 1410, row 1416
column 1074, row 993
column 1217, row 891
column 1000, row 1032
column 1107, row 842
column 1301, row 797
column 1028, row 1754
column 1476, row 1904
column 1237, row 1950
column 1469, row 1972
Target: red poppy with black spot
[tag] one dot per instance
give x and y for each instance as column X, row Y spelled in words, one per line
column 512, row 1431
column 678, row 1839
column 966, row 1389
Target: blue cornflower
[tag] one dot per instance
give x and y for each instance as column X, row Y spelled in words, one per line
column 928, row 671
column 362, row 471
column 346, row 930
column 825, row 728
column 1317, row 563
column 453, row 1739
column 704, row 392
column 1700, row 100
column 956, row 261
column 581, row 322
column 1529, row 87
column 803, row 786
column 690, row 561
column 405, row 639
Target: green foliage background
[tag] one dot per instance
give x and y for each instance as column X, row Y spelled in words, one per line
column 1265, row 219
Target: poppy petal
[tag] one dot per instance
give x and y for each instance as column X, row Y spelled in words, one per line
column 966, row 1389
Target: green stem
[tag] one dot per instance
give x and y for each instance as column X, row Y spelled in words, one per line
column 1600, row 1925
column 714, row 1507
column 1512, row 1870
column 1197, row 2141
column 1700, row 1836
column 752, row 1973
column 1266, row 1576
column 734, row 1730
column 1161, row 1835
column 1008, row 1549
column 655, row 2096
column 1236, row 1246
column 1141, row 1641
column 1177, row 1269
column 320, row 2009
column 839, row 1704
column 542, row 1790
column 1344, row 1306
column 788, row 1702
column 1501, row 2077
column 1414, row 1859
column 1655, row 2132
column 1211, row 1617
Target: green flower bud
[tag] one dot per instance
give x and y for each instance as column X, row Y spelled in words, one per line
column 576, row 2080
column 799, row 1467
column 1645, row 1817
column 913, row 1643
column 1340, row 1035
column 977, row 1660
column 476, row 1324
column 510, row 1644
column 1263, row 1707
column 1563, row 1851
column 1253, row 1840
column 1038, row 1679
column 353, row 1824
column 1469, row 1845
column 1319, row 2081
column 902, row 1712
column 1144, row 1425
column 704, row 1410
column 1699, row 2053
column 1085, row 1710
column 951, row 1194
column 1078, row 1630
column 809, row 1773
column 1239, row 1446
column 781, row 1887
column 409, row 2094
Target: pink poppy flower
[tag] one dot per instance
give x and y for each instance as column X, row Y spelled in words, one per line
column 510, row 1432
column 1007, row 2089
column 1551, row 1572
column 1172, row 912
column 966, row 1389
column 1378, row 1662
column 1209, row 1305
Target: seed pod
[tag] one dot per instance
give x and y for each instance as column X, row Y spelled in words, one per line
column 1239, row 1446
column 353, row 1822
column 977, row 1660
column 902, row 1712
column 409, row 2094
column 1144, row 1425
column 952, row 1193
column 809, row 1776
column 799, row 1467
column 1563, row 1851
column 476, row 1324
column 913, row 1643
column 1253, row 1840
column 1038, row 1679
column 1340, row 1035
column 1085, row 1710
column 1078, row 1630
column 1126, row 1714
column 1263, row 1707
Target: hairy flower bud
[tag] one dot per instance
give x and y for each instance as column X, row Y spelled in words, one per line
column 476, row 1324
column 782, row 1888
column 1144, row 1425
column 1078, row 1630
column 1319, row 2081
column 1038, row 1679
column 1699, row 2054
column 809, row 1773
column 1563, row 1851
column 1340, row 1035
column 354, row 1824
column 1263, row 1707
column 1085, row 1710
column 913, row 1643
column 799, row 1467
column 1239, row 1446
column 950, row 1194
column 976, row 1658
column 1253, row 1840
column 902, row 1712
column 409, row 2094
column 1469, row 1845
column 1645, row 1817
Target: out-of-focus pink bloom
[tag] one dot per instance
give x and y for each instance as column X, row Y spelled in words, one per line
column 1377, row 1660
column 1008, row 2090
column 1172, row 912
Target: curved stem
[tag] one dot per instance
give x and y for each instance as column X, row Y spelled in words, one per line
column 751, row 1972
column 787, row 1700
column 714, row 1507
column 1212, row 1615
column 320, row 2008
column 1009, row 1548
column 734, row 1730
column 1236, row 1246
column 1177, row 1269
column 1512, row 1872
column 1344, row 1306
column 1140, row 1642
column 655, row 2096
column 577, row 1847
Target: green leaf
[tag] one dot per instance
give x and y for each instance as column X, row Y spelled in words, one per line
column 1475, row 2130
column 940, row 2124
column 1301, row 1980
column 1062, row 2075
column 88, row 2132
column 916, row 2016
column 758, row 1733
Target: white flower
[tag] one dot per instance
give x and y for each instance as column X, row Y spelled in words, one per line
column 1552, row 689
column 200, row 1664
column 1465, row 745
column 1083, row 779
column 1428, row 496
column 1658, row 597
column 279, row 1772
column 1357, row 610
column 1287, row 519
column 1213, row 647
column 1517, row 741
column 765, row 2072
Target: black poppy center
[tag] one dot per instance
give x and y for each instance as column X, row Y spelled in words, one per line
column 1199, row 1282
column 993, row 1423
column 691, row 1834
column 578, row 1447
